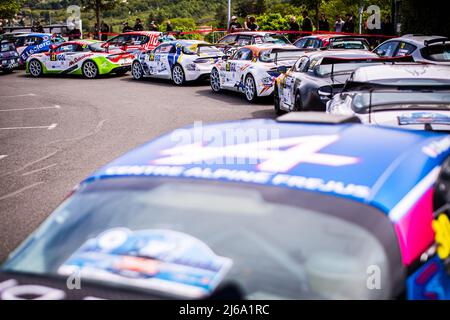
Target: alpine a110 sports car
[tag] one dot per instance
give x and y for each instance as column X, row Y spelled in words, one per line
column 235, row 40
column 136, row 41
column 29, row 44
column 180, row 61
column 253, row 69
column 8, row 56
column 80, row 57
column 332, row 41
column 293, row 211
column 429, row 49
column 415, row 96
column 317, row 76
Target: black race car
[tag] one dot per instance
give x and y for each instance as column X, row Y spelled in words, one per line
column 8, row 56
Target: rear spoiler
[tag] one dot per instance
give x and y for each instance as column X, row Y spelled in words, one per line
column 338, row 38
column 442, row 40
column 367, row 86
column 334, row 60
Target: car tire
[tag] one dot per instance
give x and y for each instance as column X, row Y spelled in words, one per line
column 178, row 75
column 35, row 68
column 250, row 89
column 136, row 71
column 89, row 69
column 215, row 81
column 298, row 105
column 276, row 101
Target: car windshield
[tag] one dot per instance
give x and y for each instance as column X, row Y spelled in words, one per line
column 437, row 52
column 209, row 50
column 349, row 44
column 7, row 46
column 272, row 38
column 187, row 237
column 288, row 55
column 401, row 99
column 96, row 47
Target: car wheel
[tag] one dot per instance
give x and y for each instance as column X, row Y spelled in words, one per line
column 178, row 75
column 298, row 106
column 276, row 101
column 250, row 89
column 136, row 71
column 215, row 80
column 35, row 68
column 89, row 69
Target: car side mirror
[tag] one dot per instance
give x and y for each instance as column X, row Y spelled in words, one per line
column 282, row 69
column 225, row 57
column 325, row 92
column 53, row 47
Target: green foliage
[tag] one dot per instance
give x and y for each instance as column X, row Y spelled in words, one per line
column 185, row 24
column 273, row 21
column 9, row 8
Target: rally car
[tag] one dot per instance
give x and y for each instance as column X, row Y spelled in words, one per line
column 79, row 57
column 317, row 76
column 428, row 49
column 180, row 61
column 31, row 43
column 294, row 208
column 332, row 41
column 252, row 70
column 8, row 56
column 415, row 96
column 137, row 41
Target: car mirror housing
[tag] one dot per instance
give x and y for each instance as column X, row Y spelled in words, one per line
column 53, row 47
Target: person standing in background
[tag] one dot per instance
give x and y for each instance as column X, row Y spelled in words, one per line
column 293, row 26
column 169, row 26
column 349, row 25
column 323, row 23
column 251, row 24
column 234, row 24
column 307, row 22
column 153, row 26
column 338, row 23
column 126, row 27
column 105, row 30
column 138, row 25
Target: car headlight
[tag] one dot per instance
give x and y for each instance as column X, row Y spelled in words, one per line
column 191, row 67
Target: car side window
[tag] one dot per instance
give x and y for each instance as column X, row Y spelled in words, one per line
column 243, row 54
column 228, row 39
column 387, row 49
column 405, row 49
column 244, row 40
column 118, row 40
column 66, row 48
column 165, row 48
column 300, row 43
column 301, row 65
column 32, row 41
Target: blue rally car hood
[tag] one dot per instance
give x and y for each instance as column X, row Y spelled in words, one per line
column 375, row 165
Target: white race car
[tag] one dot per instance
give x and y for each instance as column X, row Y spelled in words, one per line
column 180, row 61
column 253, row 69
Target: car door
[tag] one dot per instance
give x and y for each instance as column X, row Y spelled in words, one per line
column 288, row 83
column 232, row 75
column 59, row 58
column 158, row 61
column 387, row 49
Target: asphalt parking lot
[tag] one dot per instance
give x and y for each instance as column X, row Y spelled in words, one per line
column 54, row 131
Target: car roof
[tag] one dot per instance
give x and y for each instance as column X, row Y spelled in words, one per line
column 380, row 175
column 257, row 48
column 252, row 33
column 341, row 53
column 416, row 39
column 146, row 33
column 35, row 35
column 402, row 71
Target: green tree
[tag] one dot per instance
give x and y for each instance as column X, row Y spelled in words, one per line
column 9, row 8
column 99, row 6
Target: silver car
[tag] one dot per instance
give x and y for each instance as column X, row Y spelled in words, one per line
column 430, row 49
column 413, row 96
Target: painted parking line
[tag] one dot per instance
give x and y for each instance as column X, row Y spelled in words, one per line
column 37, row 108
column 50, row 127
column 19, row 95
column 2, row 156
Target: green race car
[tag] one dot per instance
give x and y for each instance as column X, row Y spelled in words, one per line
column 82, row 57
